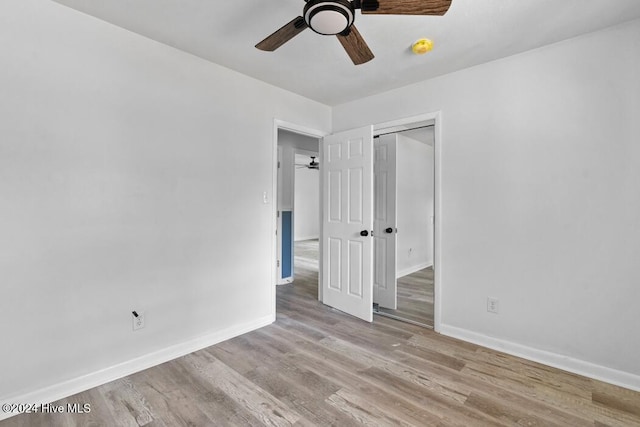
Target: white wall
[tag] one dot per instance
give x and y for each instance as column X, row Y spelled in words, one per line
column 307, row 202
column 539, row 177
column 306, row 216
column 414, row 205
column 131, row 177
column 286, row 177
column 298, row 141
column 290, row 143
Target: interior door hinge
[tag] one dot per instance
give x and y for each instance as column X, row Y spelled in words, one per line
column 278, row 164
column 278, row 263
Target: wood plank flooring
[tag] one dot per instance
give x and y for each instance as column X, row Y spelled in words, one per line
column 415, row 290
column 318, row 367
column 415, row 297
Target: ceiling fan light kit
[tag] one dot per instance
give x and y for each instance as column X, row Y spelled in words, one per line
column 336, row 18
column 329, row 17
column 311, row 165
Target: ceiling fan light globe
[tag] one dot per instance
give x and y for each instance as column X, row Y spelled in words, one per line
column 329, row 22
column 329, row 17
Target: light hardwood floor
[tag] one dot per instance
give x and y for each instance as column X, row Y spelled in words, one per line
column 415, row 290
column 316, row 366
column 415, row 297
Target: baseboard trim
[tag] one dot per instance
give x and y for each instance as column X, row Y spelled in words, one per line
column 285, row 281
column 302, row 239
column 95, row 379
column 566, row 363
column 412, row 269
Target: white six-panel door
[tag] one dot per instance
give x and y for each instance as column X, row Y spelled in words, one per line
column 384, row 223
column 347, row 254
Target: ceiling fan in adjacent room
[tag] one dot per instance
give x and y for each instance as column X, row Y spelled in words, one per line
column 336, row 17
column 311, row 165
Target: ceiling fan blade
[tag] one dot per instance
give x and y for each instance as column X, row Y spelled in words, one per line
column 355, row 46
column 408, row 7
column 283, row 35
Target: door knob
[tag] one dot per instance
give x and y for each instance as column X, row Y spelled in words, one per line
column 388, row 230
column 364, row 233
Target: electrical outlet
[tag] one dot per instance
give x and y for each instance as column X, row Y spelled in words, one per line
column 492, row 305
column 138, row 319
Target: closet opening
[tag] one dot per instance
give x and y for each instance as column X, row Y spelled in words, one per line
column 404, row 201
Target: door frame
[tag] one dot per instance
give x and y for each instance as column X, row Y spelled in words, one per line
column 302, row 130
column 403, row 124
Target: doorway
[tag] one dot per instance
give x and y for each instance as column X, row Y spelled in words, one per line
column 404, row 163
column 296, row 225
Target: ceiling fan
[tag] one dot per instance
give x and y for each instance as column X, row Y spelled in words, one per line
column 311, row 165
column 336, row 17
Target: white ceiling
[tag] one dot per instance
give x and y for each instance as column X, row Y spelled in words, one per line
column 471, row 33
